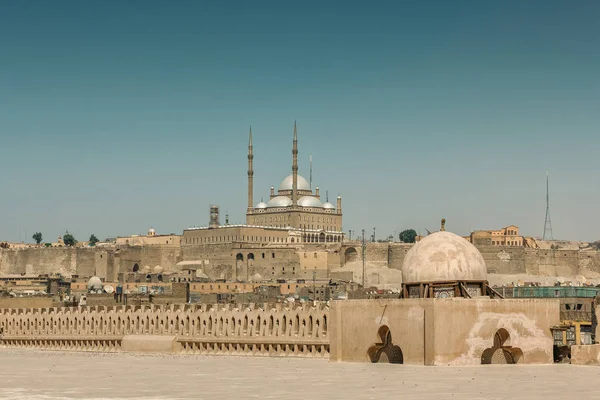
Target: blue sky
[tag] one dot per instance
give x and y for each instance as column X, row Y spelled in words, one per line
column 116, row 116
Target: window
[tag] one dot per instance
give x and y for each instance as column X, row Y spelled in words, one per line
column 263, row 255
column 272, row 255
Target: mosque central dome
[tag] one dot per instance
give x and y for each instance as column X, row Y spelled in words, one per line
column 288, row 182
column 443, row 257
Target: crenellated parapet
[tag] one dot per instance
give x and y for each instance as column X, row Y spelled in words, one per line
column 242, row 329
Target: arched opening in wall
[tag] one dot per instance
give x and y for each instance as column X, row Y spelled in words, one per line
column 159, row 277
column 501, row 352
column 250, row 256
column 239, row 257
column 148, row 278
column 136, row 267
column 350, row 255
column 385, row 351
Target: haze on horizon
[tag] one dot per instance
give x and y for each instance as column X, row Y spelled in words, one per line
column 117, row 116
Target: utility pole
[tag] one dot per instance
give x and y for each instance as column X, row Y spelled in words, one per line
column 363, row 258
column 314, row 285
column 373, row 234
column 350, row 235
column 548, row 222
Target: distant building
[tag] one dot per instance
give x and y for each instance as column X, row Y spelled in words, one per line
column 507, row 236
column 150, row 239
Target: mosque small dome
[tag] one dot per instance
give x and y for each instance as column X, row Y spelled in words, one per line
column 94, row 283
column 280, row 201
column 443, row 256
column 147, row 269
column 309, row 201
column 288, row 183
column 158, row 269
column 151, row 232
column 262, row 204
column 329, row 206
column 256, row 277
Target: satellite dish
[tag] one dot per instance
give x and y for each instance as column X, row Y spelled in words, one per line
column 109, row 289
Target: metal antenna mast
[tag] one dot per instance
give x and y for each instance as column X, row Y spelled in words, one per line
column 548, row 223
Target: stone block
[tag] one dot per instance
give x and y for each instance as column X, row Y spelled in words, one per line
column 585, row 354
column 149, row 344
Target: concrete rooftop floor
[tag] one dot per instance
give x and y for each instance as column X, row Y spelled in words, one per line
column 32, row 374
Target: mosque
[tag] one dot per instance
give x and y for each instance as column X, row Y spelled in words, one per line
column 294, row 235
column 295, row 214
column 295, row 205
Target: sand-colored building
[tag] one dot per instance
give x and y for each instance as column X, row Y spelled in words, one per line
column 152, row 238
column 507, row 236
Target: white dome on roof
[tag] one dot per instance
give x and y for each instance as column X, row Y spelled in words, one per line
column 262, row 204
column 329, row 206
column 94, row 283
column 158, row 269
column 280, row 201
column 289, row 182
column 309, row 201
column 443, row 256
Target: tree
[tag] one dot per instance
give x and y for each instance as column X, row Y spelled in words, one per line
column 93, row 240
column 37, row 237
column 69, row 239
column 408, row 236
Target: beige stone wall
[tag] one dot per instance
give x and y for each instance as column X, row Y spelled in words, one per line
column 444, row 332
column 384, row 260
column 585, row 355
column 461, row 329
column 269, row 329
column 354, row 326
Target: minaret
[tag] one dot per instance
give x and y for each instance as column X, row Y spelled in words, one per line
column 310, row 172
column 295, row 169
column 250, row 175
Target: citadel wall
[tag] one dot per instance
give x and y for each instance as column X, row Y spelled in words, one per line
column 284, row 261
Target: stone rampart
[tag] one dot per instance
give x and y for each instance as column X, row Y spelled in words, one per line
column 265, row 330
column 235, row 261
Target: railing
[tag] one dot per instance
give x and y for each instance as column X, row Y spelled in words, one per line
column 548, row 291
column 269, row 329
